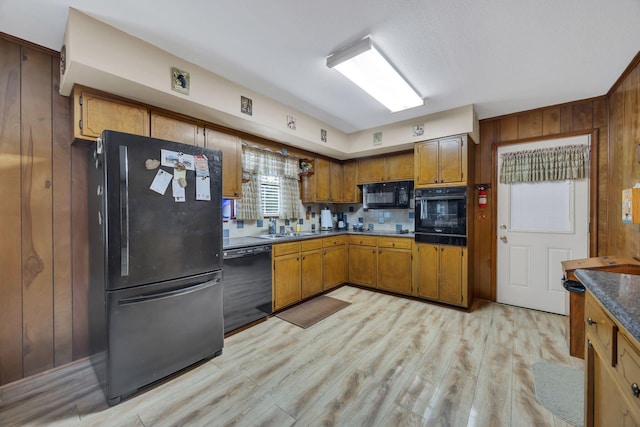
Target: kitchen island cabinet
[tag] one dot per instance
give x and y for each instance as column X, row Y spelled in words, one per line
column 612, row 356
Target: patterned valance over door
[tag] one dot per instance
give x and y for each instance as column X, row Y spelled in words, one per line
column 545, row 164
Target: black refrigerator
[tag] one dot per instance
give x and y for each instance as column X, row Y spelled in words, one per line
column 155, row 259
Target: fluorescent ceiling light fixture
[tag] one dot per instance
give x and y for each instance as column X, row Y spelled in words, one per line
column 366, row 67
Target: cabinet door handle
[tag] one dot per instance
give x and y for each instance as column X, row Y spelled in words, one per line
column 635, row 389
column 590, row 321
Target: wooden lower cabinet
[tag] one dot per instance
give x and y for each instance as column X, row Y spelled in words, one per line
column 362, row 265
column 286, row 280
column 394, row 270
column 363, row 256
column 334, row 265
column 442, row 273
column 307, row 268
column 311, row 267
column 612, row 370
column 381, row 262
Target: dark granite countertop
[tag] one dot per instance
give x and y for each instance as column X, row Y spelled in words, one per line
column 243, row 242
column 618, row 293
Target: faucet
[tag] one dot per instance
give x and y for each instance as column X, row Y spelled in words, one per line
column 272, row 226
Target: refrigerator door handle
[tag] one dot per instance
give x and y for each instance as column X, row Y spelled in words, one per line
column 124, row 211
column 172, row 293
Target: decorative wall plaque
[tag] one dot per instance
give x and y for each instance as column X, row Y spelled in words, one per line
column 179, row 81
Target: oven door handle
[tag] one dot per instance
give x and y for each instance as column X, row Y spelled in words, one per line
column 443, row 197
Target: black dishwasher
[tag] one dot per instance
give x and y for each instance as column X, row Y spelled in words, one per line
column 246, row 277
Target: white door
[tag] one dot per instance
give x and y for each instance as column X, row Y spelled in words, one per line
column 539, row 225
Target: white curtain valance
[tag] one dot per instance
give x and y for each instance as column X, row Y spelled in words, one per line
column 545, row 164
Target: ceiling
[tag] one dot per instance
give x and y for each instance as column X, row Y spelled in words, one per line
column 502, row 56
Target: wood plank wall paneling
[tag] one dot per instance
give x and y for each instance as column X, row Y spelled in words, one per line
column 37, row 206
column 62, row 284
column 36, row 329
column 10, row 213
column 552, row 121
column 624, row 165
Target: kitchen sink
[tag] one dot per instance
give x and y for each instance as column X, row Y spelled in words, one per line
column 283, row 235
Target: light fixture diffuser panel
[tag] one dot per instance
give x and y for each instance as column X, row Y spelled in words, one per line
column 373, row 74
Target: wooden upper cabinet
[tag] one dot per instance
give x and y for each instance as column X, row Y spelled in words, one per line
column 323, row 180
column 335, row 181
column 370, row 170
column 399, row 166
column 441, row 161
column 95, row 112
column 172, row 129
column 451, row 160
column 426, row 163
column 389, row 167
column 231, row 148
column 326, row 181
column 351, row 193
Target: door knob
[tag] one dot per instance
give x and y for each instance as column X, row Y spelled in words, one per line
column 503, row 227
column 503, row 238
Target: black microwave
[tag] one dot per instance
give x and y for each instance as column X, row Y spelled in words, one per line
column 387, row 195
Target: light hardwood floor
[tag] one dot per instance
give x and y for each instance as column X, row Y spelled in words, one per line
column 383, row 360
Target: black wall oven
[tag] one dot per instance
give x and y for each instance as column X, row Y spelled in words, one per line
column 441, row 215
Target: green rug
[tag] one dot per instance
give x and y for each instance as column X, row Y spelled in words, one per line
column 560, row 389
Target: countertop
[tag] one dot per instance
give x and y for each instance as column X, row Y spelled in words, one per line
column 243, row 242
column 618, row 293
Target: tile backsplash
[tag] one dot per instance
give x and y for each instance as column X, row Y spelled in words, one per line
column 372, row 219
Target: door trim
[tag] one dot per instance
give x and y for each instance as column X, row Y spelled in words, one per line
column 593, row 195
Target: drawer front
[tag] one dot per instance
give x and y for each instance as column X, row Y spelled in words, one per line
column 286, row 248
column 363, row 240
column 310, row 245
column 401, row 243
column 601, row 329
column 334, row 241
column 628, row 369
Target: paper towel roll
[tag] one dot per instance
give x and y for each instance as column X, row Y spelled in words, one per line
column 325, row 220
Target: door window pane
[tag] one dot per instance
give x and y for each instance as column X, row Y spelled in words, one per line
column 542, row 206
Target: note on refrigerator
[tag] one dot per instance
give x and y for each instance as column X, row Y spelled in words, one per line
column 178, row 191
column 161, row 181
column 173, row 158
column 203, row 188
